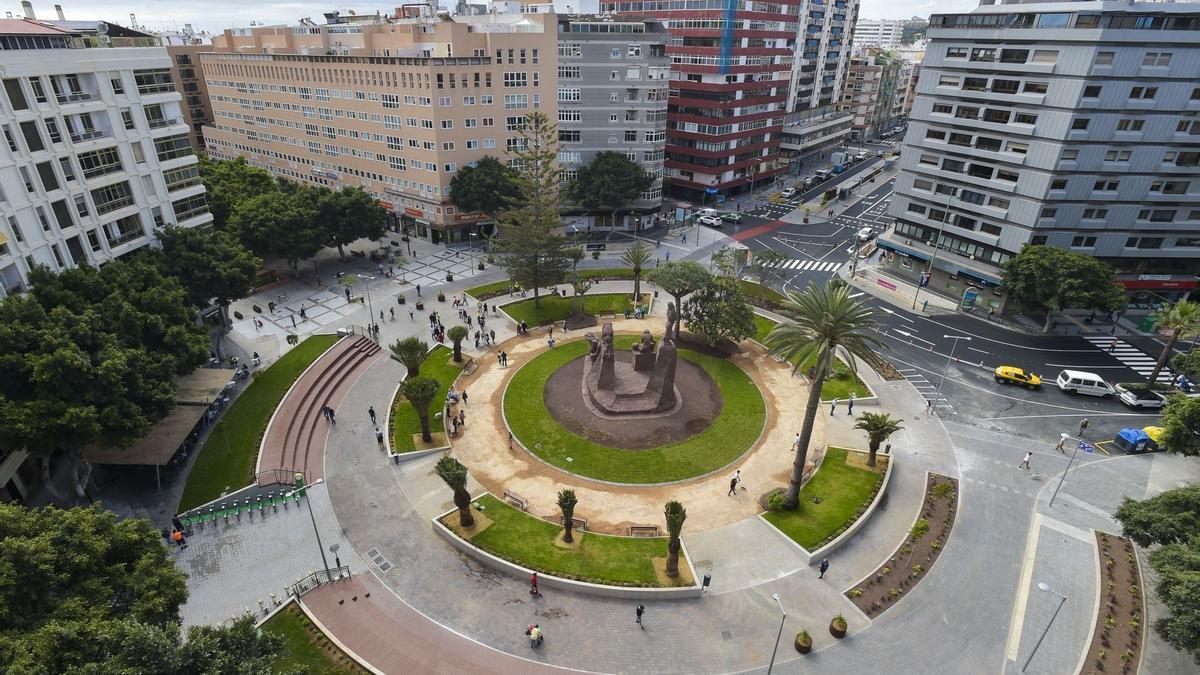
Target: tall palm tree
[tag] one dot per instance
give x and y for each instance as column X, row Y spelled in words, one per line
column 879, row 426
column 454, row 474
column 567, row 502
column 637, row 258
column 420, row 392
column 1180, row 318
column 675, row 515
column 819, row 322
column 456, row 334
column 410, row 352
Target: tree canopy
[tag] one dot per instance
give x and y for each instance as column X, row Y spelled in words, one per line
column 719, row 312
column 679, row 279
column 228, row 182
column 1056, row 279
column 210, row 264
column 1180, row 421
column 610, row 180
column 281, row 223
column 484, row 187
column 767, row 268
column 81, row 591
column 348, row 215
column 1171, row 520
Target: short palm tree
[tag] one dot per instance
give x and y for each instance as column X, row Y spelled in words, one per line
column 410, row 352
column 1180, row 318
column 455, row 474
column 818, row 323
column 637, row 258
column 675, row 515
column 879, row 426
column 567, row 502
column 420, row 392
column 457, row 334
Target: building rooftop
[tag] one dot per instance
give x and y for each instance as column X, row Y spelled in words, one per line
column 29, row 27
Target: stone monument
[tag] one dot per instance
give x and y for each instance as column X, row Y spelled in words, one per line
column 644, row 387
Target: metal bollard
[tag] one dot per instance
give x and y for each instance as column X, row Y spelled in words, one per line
column 237, row 511
column 274, row 504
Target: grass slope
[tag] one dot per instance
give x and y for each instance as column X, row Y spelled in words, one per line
column 843, row 489
column 734, row 430
column 440, row 366
column 556, row 307
column 498, row 288
column 840, row 386
column 305, row 647
column 226, row 462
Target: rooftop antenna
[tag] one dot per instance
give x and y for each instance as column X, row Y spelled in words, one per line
column 132, row 20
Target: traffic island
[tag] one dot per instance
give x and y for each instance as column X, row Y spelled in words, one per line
column 1119, row 631
column 916, row 555
column 404, row 425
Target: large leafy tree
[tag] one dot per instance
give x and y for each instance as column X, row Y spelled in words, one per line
column 637, row 257
column 281, row 223
column 679, row 279
column 1181, row 425
column 457, row 334
column 228, row 182
column 348, row 215
column 611, row 180
column 212, row 265
column 82, row 591
column 767, row 268
column 719, row 312
column 1181, row 318
column 484, row 187
column 879, row 428
column 454, row 474
column 1056, row 279
column 1172, row 521
column 531, row 247
column 819, row 323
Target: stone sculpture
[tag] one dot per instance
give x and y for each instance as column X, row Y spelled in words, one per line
column 645, row 386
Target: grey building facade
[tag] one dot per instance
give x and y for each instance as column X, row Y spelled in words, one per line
column 1071, row 124
column 613, row 73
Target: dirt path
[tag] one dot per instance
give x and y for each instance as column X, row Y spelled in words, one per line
column 484, row 448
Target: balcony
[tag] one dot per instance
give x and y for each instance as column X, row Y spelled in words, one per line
column 163, row 122
column 76, row 97
column 184, row 184
column 125, row 237
column 81, row 136
column 119, row 203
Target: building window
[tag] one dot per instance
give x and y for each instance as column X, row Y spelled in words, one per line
column 1095, row 214
column 1035, row 87
column 1130, row 125
column 1143, row 92
column 569, row 95
column 1083, row 242
column 1058, row 184
column 956, row 52
column 1080, row 124
column 1156, row 59
column 1092, row 91
column 1048, row 213
column 1104, row 58
column 988, row 228
column 1157, row 215
column 155, row 81
column 569, row 135
column 1038, row 240
column 1106, row 185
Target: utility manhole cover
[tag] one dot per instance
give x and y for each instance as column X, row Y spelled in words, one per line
column 726, row 635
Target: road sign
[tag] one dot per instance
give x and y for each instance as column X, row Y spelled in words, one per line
column 1087, row 447
column 924, row 279
column 711, row 191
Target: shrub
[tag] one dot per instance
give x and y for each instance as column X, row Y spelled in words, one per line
column 776, row 501
column 237, row 315
column 919, row 529
column 595, row 255
column 293, row 339
column 257, row 309
column 480, row 265
column 401, row 300
column 441, row 296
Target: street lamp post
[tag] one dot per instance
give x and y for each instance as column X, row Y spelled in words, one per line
column 936, row 240
column 370, row 307
column 472, row 244
column 308, row 501
column 1079, row 444
column 937, row 396
column 1044, row 587
column 779, row 635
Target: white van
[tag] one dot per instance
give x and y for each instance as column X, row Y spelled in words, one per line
column 1079, row 382
column 706, row 212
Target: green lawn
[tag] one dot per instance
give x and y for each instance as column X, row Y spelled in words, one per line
column 843, row 489
column 529, row 541
column 843, row 382
column 498, row 288
column 556, row 307
column 305, row 647
column 735, row 429
column 440, row 366
column 754, row 292
column 490, row 290
column 610, row 273
column 226, row 461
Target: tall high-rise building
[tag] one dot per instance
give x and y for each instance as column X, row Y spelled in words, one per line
column 394, row 105
column 185, row 48
column 1074, row 125
column 885, row 33
column 871, row 91
column 96, row 155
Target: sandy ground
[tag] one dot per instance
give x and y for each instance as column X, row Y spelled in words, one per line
column 483, row 447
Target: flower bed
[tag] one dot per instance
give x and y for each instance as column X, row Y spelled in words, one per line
column 908, row 564
column 1120, row 624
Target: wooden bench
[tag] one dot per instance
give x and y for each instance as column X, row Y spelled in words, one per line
column 470, row 367
column 516, row 500
column 579, row 523
column 643, row 530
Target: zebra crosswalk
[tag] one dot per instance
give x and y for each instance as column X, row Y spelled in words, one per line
column 1132, row 357
column 810, row 265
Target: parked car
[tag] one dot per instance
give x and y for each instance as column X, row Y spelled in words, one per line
column 1141, row 398
column 788, row 193
column 866, row 234
column 1015, row 375
column 1080, row 382
column 711, row 221
column 822, row 175
column 861, row 156
column 731, row 217
column 705, row 212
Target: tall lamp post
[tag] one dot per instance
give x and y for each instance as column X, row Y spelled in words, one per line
column 782, row 619
column 1044, row 587
column 472, row 236
column 1067, row 437
column 937, row 396
column 936, row 241
column 324, row 560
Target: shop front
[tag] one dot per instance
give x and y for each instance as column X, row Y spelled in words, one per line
column 972, row 287
column 1152, row 291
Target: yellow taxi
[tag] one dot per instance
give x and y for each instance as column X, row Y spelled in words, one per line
column 1014, row 375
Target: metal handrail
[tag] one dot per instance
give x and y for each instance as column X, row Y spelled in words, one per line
column 275, row 477
column 315, row 579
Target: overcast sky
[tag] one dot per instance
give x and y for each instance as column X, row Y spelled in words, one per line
column 214, row 15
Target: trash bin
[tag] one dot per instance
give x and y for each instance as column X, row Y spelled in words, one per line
column 707, row 579
column 1148, row 323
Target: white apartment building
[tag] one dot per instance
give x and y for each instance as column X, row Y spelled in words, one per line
column 885, row 33
column 96, row 155
column 1069, row 124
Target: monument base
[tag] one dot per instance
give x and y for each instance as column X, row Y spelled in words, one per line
column 629, row 400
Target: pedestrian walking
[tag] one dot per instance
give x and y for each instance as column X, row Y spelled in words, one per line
column 833, row 407
column 464, row 396
column 347, row 294
column 796, row 443
column 1025, row 462
column 510, row 440
column 533, row 587
column 332, row 415
column 179, row 539
column 551, row 330
column 734, row 481
column 453, row 426
column 392, row 311
column 381, row 315
column 641, row 609
column 1059, row 447
column 410, row 316
column 462, row 417
column 418, row 290
column 271, row 306
column 850, row 405
column 535, row 635
column 492, row 335
column 371, row 412
column 166, row 535
column 325, row 412
column 379, row 437
column 1112, row 345
column 823, row 566
column 928, row 406
column 1083, row 425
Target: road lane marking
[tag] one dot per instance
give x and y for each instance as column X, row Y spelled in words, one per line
column 1017, row 620
column 1094, row 413
column 1076, row 366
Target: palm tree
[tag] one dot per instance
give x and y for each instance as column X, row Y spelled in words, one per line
column 637, row 258
column 1180, row 318
column 455, row 474
column 675, row 515
column 819, row 322
column 879, row 426
column 456, row 334
column 567, row 502
column 411, row 352
column 420, row 392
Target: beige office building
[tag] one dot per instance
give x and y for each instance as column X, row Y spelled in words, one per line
column 394, row 105
column 185, row 70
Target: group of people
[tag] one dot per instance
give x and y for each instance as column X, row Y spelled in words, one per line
column 175, row 534
column 522, row 328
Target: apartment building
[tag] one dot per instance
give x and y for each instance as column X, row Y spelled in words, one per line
column 394, row 105
column 96, row 154
column 612, row 96
column 731, row 66
column 1066, row 124
column 883, row 33
column 184, row 48
column 870, row 93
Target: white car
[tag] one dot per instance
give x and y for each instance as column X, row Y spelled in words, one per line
column 861, row 156
column 706, row 212
column 711, row 221
column 788, row 193
column 866, row 234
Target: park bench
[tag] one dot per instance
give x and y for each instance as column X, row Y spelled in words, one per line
column 579, row 523
column 516, row 500
column 643, row 530
column 470, row 367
